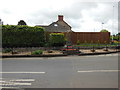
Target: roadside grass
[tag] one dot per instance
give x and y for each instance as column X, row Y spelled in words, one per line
column 96, row 45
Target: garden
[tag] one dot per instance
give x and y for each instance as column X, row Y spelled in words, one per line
column 26, row 40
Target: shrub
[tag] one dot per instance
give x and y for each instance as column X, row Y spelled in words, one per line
column 78, row 42
column 37, row 52
column 57, row 39
column 116, row 42
column 7, row 50
column 104, row 30
column 22, row 36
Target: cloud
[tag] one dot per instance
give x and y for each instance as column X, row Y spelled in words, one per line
column 82, row 16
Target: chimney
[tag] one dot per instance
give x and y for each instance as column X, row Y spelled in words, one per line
column 60, row 17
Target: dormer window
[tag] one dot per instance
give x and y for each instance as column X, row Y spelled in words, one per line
column 55, row 25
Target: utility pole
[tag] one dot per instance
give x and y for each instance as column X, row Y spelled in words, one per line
column 113, row 24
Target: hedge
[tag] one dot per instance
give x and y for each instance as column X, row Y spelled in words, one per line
column 57, row 39
column 22, row 36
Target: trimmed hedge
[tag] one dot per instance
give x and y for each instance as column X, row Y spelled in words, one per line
column 22, row 36
column 57, row 39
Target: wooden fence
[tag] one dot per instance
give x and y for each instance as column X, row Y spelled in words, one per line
column 85, row 37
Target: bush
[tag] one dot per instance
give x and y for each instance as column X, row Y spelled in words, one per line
column 115, row 42
column 7, row 50
column 78, row 42
column 104, row 30
column 22, row 36
column 57, row 39
column 37, row 52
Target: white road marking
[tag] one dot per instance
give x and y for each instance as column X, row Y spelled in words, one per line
column 23, row 72
column 102, row 55
column 49, row 58
column 2, row 81
column 98, row 71
column 8, row 87
column 14, row 84
column 30, row 80
column 36, row 58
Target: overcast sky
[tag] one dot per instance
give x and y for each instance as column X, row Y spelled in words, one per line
column 81, row 15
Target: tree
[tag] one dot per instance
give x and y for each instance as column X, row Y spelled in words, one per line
column 104, row 30
column 22, row 22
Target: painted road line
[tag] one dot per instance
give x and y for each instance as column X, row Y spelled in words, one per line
column 23, row 72
column 36, row 58
column 98, row 71
column 14, row 84
column 7, row 87
column 29, row 80
column 2, row 81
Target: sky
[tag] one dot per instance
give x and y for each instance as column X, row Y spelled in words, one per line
column 81, row 15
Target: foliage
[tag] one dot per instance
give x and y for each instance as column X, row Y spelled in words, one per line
column 57, row 39
column 104, row 30
column 115, row 42
column 78, row 42
column 37, row 52
column 115, row 37
column 7, row 50
column 22, row 22
column 22, row 36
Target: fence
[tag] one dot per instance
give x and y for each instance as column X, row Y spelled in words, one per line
column 85, row 37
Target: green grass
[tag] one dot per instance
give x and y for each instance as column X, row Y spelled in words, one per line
column 37, row 52
column 96, row 45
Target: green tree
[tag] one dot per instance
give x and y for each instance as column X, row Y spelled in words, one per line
column 104, row 30
column 22, row 22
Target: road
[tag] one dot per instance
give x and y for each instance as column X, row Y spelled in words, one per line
column 61, row 72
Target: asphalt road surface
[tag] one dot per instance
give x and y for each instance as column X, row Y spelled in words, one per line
column 61, row 72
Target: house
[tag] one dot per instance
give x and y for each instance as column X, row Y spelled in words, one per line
column 72, row 37
column 59, row 26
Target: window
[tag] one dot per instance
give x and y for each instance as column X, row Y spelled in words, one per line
column 55, row 25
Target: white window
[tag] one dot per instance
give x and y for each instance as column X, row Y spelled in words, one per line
column 55, row 25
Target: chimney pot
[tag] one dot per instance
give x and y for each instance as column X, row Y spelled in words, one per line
column 60, row 17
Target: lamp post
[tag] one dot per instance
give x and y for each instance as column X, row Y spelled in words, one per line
column 113, row 24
